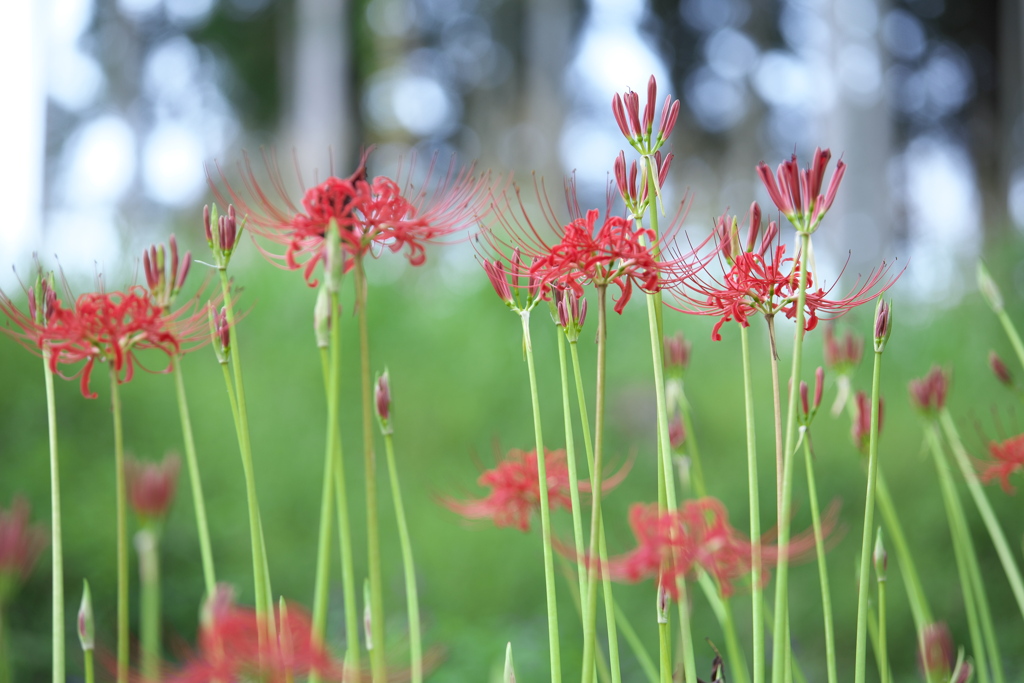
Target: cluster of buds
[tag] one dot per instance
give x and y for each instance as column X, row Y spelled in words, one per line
column 798, row 192
column 633, row 184
column 808, row 408
column 842, row 355
column 509, row 283
column 727, row 233
column 382, row 402
column 220, row 332
column 165, row 279
column 222, row 234
column 929, row 393
column 861, row 431
column 42, row 292
column 571, row 311
column 936, row 657
column 883, row 324
column 640, row 132
column 677, row 354
column 151, row 488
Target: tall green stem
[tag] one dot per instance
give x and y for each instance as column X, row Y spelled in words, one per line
column 122, row 531
column 883, row 643
column 860, row 655
column 1011, row 332
column 56, row 536
column 545, row 514
column 919, row 608
column 781, row 643
column 984, row 507
column 819, row 545
column 697, row 469
column 411, row 594
column 192, row 462
column 377, row 663
column 757, row 590
column 147, row 545
column 570, row 457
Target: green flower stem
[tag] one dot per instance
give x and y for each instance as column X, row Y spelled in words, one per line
column 819, row 544
column 777, row 404
column 781, row 644
column 860, row 656
column 665, row 652
column 736, row 662
column 321, row 583
column 570, row 576
column 1011, row 332
column 979, row 616
column 876, row 643
column 984, row 507
column 56, row 536
column 570, row 456
column 411, row 595
column 122, row 531
column 908, row 568
column 352, row 654
column 665, row 452
column 90, row 674
column 545, row 514
column 192, row 462
column 147, row 545
column 696, row 469
column 377, row 663
column 236, row 395
column 883, row 644
column 602, row 549
column 757, row 590
column 637, row 645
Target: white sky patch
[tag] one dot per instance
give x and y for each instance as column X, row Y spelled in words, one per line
column 99, row 162
column 172, row 160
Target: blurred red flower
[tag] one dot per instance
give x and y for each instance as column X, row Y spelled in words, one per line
column 20, row 545
column 1007, row 458
column 151, row 486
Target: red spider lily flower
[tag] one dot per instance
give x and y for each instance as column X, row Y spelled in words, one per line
column 929, row 393
column 861, row 429
column 151, row 486
column 43, row 302
column 230, row 647
column 798, row 192
column 615, row 251
column 842, row 355
column 108, row 327
column 20, row 545
column 378, row 212
column 1007, row 458
column 766, row 281
column 515, row 489
column 698, row 535
column 937, row 658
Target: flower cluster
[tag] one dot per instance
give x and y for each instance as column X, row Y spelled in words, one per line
column 798, row 192
column 20, row 545
column 928, row 394
column 1007, row 458
column 673, row 544
column 151, row 486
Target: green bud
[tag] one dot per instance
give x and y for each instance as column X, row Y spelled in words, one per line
column 510, row 674
column 880, row 557
column 86, row 621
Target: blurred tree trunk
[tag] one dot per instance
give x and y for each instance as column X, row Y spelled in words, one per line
column 547, row 40
column 1009, row 143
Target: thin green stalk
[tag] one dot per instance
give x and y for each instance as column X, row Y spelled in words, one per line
column 876, row 643
column 883, row 643
column 979, row 617
column 323, row 565
column 602, row 548
column 352, row 654
column 415, row 640
column 1011, row 332
column 147, row 546
column 819, row 544
column 122, row 531
column 782, row 571
column 984, row 507
column 860, row 655
column 665, row 651
column 570, row 456
column 757, row 590
column 777, row 404
column 56, row 536
column 192, row 462
column 236, row 394
column 377, row 663
column 90, row 674
column 545, row 513
column 736, row 663
column 637, row 645
column 568, row 572
column 908, row 568
column 696, row 469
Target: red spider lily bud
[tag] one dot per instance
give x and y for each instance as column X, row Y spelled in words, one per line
column 770, row 234
column 151, row 487
column 676, row 433
column 322, row 318
column 206, row 225
column 652, row 96
column 677, row 353
column 619, row 169
column 929, row 394
column 883, row 324
column 989, row 289
column 936, row 654
column 880, row 557
column 367, row 616
column 632, row 103
column 723, row 233
column 669, row 114
column 499, row 280
column 999, row 368
column 755, row 226
column 819, row 386
column 42, row 290
column 510, row 673
column 663, row 166
column 86, row 621
column 20, row 545
column 663, row 602
column 382, row 400
column 861, row 430
column 572, row 311
column 620, row 116
column 805, row 402
column 842, row 356
column 220, row 333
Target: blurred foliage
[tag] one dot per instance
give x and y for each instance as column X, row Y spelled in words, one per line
column 459, row 393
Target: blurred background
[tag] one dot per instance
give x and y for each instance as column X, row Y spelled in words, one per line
column 116, row 110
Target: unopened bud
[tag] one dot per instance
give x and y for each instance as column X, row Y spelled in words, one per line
column 677, row 354
column 382, row 399
column 206, row 224
column 880, row 557
column 663, row 600
column 999, row 368
column 284, row 633
column 989, row 289
column 676, row 433
column 86, row 620
column 805, row 401
column 510, row 674
column 883, row 324
column 367, row 615
column 322, row 318
column 819, row 386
